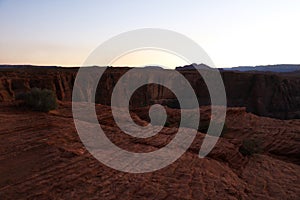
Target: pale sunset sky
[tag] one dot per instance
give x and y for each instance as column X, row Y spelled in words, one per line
column 232, row 32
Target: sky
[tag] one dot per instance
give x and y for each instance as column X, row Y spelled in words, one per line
column 232, row 32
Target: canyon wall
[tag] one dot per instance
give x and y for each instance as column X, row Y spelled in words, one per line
column 267, row 94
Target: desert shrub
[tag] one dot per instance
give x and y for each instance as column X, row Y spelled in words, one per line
column 167, row 124
column 38, row 99
column 20, row 96
column 250, row 147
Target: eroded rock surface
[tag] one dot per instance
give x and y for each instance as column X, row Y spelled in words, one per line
column 42, row 157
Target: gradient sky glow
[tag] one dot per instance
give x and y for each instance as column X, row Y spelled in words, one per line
column 232, row 32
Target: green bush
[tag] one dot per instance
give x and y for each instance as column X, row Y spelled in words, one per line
column 42, row 100
column 167, row 124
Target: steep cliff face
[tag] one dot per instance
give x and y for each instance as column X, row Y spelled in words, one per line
column 274, row 95
column 266, row 94
column 17, row 81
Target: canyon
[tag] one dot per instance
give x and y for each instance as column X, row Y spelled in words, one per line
column 274, row 95
column 256, row 156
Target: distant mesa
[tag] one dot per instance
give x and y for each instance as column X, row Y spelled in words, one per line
column 266, row 68
column 153, row 67
column 193, row 67
column 281, row 68
column 26, row 66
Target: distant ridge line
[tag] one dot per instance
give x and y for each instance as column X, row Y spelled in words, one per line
column 279, row 68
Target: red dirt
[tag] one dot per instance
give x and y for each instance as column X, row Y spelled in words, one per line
column 42, row 157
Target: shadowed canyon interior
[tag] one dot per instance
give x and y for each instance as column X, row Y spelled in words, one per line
column 266, row 94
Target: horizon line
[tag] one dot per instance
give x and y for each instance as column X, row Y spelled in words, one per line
column 129, row 66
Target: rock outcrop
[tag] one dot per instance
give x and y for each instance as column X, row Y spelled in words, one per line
column 42, row 157
column 267, row 94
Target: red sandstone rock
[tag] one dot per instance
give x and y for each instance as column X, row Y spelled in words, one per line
column 266, row 94
column 42, row 158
